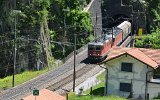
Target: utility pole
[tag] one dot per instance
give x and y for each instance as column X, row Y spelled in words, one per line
column 95, row 27
column 15, row 50
column 74, row 70
column 64, row 22
column 132, row 30
column 112, row 38
column 132, row 24
column 15, row 45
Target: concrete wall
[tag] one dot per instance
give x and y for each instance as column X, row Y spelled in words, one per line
column 94, row 8
column 116, row 76
column 88, row 83
column 153, row 89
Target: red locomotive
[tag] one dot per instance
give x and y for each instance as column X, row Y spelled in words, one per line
column 98, row 49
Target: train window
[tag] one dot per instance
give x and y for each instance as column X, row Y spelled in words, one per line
column 90, row 47
column 98, row 48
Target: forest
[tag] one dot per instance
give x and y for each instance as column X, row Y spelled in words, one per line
column 33, row 33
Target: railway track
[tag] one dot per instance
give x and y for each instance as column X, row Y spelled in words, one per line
column 54, row 79
column 68, row 79
column 80, row 72
column 126, row 43
column 45, row 80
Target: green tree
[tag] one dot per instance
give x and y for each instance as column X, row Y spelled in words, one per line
column 149, row 41
column 153, row 15
column 41, row 22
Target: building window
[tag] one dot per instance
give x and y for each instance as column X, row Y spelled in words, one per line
column 126, row 67
column 125, row 87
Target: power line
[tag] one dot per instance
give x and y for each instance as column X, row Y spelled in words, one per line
column 6, row 41
column 19, row 47
column 27, row 51
column 62, row 43
column 21, row 63
column 23, row 39
column 6, row 67
column 65, row 43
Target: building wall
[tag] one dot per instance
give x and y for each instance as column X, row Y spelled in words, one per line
column 153, row 89
column 116, row 76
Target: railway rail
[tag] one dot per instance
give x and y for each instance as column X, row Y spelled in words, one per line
column 54, row 79
column 126, row 43
column 68, row 79
column 43, row 81
column 80, row 72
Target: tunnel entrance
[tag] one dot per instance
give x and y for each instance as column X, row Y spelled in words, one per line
column 110, row 22
column 117, row 19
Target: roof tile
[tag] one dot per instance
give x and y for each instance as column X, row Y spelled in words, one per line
column 45, row 94
column 150, row 57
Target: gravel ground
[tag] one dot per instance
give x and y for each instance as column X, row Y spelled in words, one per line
column 80, row 80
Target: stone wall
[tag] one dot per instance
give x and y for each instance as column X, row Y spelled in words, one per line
column 112, row 10
column 94, row 8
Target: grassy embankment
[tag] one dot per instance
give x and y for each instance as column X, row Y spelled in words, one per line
column 99, row 88
column 97, row 92
column 19, row 78
column 73, row 97
column 6, row 82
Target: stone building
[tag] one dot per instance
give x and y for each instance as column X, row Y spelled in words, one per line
column 132, row 72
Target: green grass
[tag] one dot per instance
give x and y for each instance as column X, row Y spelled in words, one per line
column 157, row 98
column 72, row 96
column 6, row 82
column 97, row 92
column 99, row 88
column 101, row 76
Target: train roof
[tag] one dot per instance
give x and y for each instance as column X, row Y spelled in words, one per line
column 101, row 40
column 95, row 43
column 115, row 30
column 124, row 24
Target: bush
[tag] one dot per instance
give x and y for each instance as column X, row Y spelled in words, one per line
column 149, row 41
column 158, row 97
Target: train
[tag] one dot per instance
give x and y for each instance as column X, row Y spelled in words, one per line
column 98, row 49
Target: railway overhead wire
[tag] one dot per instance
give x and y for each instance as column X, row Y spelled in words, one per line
column 50, row 79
